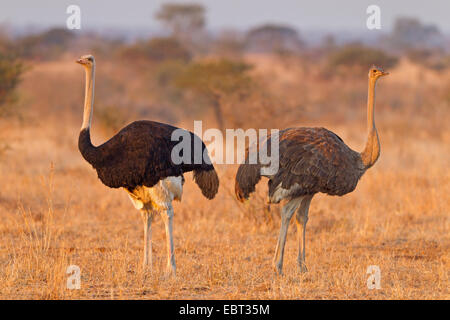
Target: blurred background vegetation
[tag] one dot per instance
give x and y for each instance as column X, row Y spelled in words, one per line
column 227, row 76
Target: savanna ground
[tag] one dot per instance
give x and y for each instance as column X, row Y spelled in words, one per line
column 55, row 212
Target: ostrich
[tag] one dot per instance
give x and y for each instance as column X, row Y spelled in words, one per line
column 311, row 160
column 138, row 159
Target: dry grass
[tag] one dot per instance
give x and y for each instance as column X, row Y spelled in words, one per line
column 56, row 213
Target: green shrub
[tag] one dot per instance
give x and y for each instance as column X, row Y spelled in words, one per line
column 10, row 75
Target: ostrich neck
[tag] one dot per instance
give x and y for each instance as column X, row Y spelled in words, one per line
column 88, row 151
column 372, row 149
column 88, row 98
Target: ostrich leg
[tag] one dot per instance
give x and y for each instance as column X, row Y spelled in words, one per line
column 147, row 217
column 301, row 220
column 286, row 214
column 167, row 216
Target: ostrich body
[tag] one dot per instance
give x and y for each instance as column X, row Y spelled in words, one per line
column 138, row 159
column 311, row 160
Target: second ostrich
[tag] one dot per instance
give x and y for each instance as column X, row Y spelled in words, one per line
column 311, row 160
column 138, row 159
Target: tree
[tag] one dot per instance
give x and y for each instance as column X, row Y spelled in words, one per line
column 157, row 49
column 410, row 33
column 273, row 38
column 46, row 45
column 10, row 76
column 229, row 44
column 215, row 81
column 356, row 55
column 185, row 21
column 5, row 42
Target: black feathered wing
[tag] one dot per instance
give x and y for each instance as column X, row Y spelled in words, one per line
column 311, row 160
column 140, row 154
column 143, row 161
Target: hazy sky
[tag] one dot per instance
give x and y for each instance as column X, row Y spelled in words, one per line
column 304, row 14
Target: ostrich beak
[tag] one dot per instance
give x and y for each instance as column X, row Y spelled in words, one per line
column 80, row 61
column 384, row 73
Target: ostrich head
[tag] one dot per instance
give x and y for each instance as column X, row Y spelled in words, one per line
column 87, row 61
column 377, row 72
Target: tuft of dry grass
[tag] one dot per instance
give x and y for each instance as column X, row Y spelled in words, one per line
column 55, row 213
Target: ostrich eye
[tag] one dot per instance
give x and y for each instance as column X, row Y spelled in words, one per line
column 374, row 71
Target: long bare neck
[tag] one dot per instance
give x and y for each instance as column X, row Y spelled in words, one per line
column 372, row 149
column 88, row 98
column 88, row 151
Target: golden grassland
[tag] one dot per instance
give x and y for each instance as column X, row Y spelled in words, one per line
column 55, row 212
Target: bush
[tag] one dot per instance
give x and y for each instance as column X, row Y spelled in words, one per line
column 361, row 57
column 164, row 75
column 157, row 50
column 411, row 33
column 10, row 75
column 112, row 119
column 432, row 59
column 46, row 45
column 215, row 78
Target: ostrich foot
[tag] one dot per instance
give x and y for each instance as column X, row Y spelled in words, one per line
column 169, row 273
column 278, row 268
column 302, row 267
